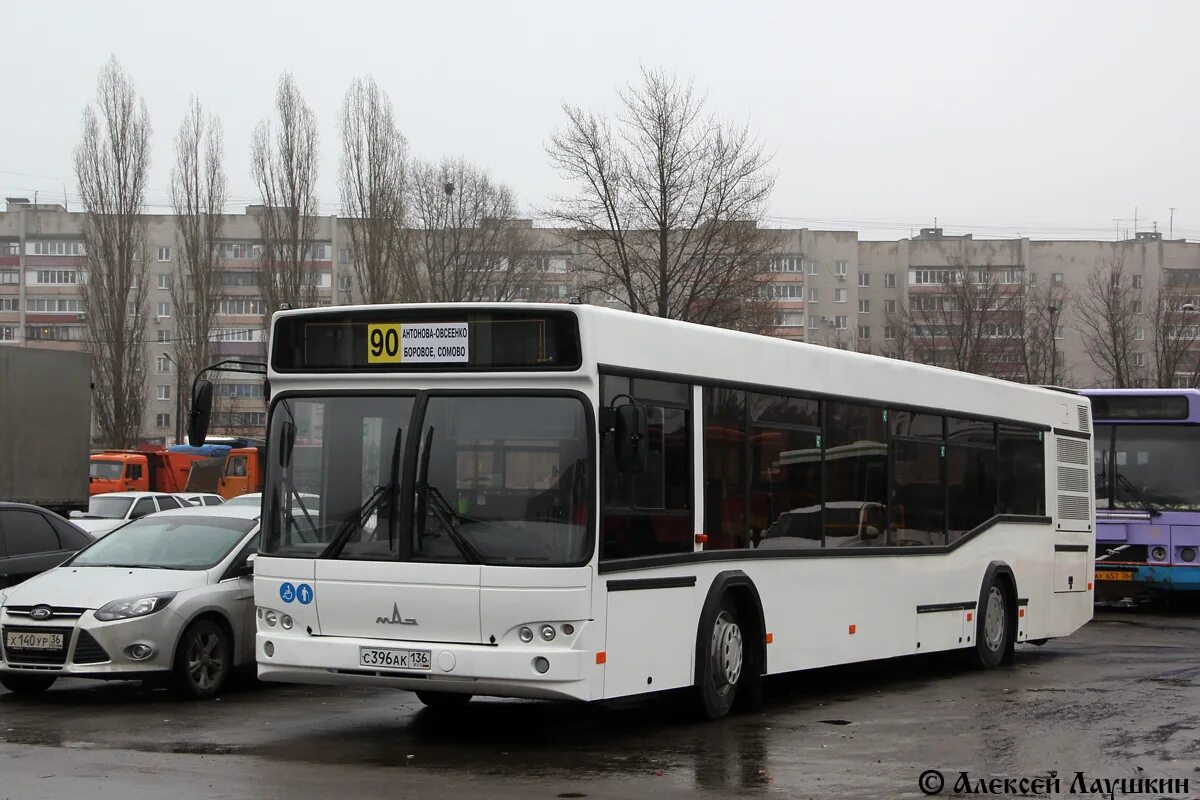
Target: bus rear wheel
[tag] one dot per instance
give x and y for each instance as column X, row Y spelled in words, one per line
column 722, row 667
column 994, row 631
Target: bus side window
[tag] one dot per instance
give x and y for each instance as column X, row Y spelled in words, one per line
column 649, row 513
column 1022, row 471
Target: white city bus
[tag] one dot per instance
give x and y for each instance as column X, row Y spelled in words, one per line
column 563, row 501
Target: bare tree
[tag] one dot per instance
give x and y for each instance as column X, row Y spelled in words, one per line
column 1106, row 313
column 111, row 165
column 969, row 320
column 1040, row 323
column 1174, row 329
column 666, row 209
column 468, row 243
column 283, row 156
column 198, row 191
column 373, row 192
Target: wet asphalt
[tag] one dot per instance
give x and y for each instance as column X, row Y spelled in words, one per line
column 1121, row 698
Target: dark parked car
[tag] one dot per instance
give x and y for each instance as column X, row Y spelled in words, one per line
column 33, row 540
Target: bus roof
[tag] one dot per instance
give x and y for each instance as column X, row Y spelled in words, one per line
column 656, row 347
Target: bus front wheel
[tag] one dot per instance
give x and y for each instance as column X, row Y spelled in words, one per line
column 994, row 629
column 443, row 699
column 722, row 667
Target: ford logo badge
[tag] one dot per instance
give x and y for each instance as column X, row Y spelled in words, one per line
column 42, row 612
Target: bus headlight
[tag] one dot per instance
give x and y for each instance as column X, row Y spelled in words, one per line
column 271, row 618
column 1187, row 554
column 525, row 634
column 1158, row 553
column 548, row 632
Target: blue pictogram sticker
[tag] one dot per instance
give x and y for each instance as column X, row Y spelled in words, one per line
column 287, row 592
column 304, row 593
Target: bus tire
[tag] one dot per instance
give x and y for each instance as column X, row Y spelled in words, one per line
column 446, row 700
column 722, row 668
column 995, row 633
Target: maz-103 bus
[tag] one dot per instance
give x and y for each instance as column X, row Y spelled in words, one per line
column 1147, row 491
column 563, row 501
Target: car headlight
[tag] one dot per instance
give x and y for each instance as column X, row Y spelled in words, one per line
column 134, row 606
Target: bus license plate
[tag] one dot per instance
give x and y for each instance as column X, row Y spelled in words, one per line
column 394, row 659
column 1113, row 575
column 23, row 640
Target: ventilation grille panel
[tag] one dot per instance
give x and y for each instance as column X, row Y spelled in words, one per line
column 1074, row 508
column 1072, row 479
column 1085, row 421
column 1072, row 451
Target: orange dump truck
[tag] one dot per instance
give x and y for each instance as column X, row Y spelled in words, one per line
column 140, row 471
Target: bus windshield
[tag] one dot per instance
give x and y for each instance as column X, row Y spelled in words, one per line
column 1147, row 467
column 497, row 479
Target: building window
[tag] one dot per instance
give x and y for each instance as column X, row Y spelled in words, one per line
column 164, row 254
column 864, row 279
column 1056, row 278
column 163, row 335
column 889, row 280
column 812, row 294
column 9, row 277
column 1139, row 334
column 889, row 332
column 8, row 333
column 840, row 295
column 164, row 281
column 1139, row 359
column 164, row 310
column 233, row 335
column 345, row 282
column 162, row 364
column 788, row 291
column 791, row 319
column 162, row 391
column 1137, row 281
column 241, row 306
column 162, row 420
column 57, row 248
column 55, row 305
column 1137, row 306
column 10, row 304
column 344, row 256
column 57, row 277
column 839, row 268
column 813, row 323
column 787, row 264
column 53, row 333
column 841, row 322
column 864, row 306
column 889, row 306
column 813, row 266
column 240, row 390
column 239, row 419
column 864, row 331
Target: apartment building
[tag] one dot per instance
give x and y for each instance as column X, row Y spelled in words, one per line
column 831, row 289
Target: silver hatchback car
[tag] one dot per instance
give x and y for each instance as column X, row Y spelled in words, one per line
column 169, row 596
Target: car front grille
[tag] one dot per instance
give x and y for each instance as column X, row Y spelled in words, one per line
column 15, row 655
column 88, row 650
column 56, row 612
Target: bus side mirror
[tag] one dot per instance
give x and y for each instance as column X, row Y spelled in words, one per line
column 287, row 440
column 201, row 409
column 629, row 444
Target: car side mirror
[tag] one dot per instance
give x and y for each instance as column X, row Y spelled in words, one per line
column 76, row 515
column 630, row 430
column 200, row 411
column 246, row 570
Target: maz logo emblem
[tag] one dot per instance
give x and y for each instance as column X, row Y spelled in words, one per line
column 41, row 612
column 395, row 619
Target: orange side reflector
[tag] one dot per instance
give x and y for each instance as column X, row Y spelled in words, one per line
column 1022, row 612
column 1089, row 586
column 853, row 628
column 770, row 638
column 970, row 616
column 701, row 538
column 601, row 657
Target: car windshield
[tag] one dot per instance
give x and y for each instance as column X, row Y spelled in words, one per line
column 174, row 542
column 106, row 470
column 1147, row 467
column 109, row 507
column 493, row 480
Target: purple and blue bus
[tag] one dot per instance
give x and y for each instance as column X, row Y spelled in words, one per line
column 1147, row 451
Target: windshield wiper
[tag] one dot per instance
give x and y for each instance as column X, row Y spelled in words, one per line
column 449, row 518
column 1138, row 497
column 373, row 501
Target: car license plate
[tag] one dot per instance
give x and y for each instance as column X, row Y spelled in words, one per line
column 25, row 640
column 1113, row 575
column 394, row 659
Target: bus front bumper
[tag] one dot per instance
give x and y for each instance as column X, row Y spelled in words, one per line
column 1142, row 579
column 462, row 668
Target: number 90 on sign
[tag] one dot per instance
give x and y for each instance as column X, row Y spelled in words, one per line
column 383, row 344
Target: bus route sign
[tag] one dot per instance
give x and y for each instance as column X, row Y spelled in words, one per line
column 418, row 343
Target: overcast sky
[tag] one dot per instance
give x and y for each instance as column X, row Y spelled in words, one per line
column 1048, row 119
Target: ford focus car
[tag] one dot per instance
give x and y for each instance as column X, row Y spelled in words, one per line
column 167, row 597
